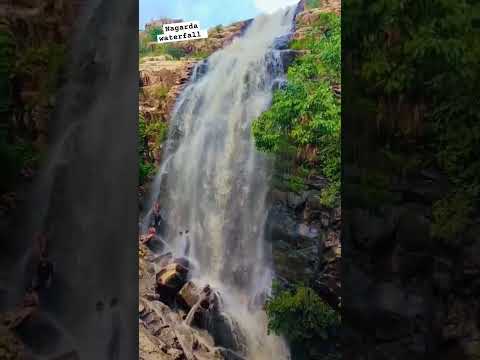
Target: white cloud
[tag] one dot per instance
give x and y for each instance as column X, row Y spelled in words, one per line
column 270, row 6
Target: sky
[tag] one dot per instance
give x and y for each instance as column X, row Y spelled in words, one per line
column 209, row 12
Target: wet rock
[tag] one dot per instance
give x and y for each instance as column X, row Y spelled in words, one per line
column 281, row 42
column 371, row 229
column 189, row 294
column 228, row 354
column 172, row 276
column 413, row 230
column 226, row 332
column 288, row 56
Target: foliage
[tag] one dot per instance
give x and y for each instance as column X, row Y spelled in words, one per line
column 7, row 60
column 14, row 157
column 311, row 4
column 153, row 32
column 43, row 63
column 426, row 53
column 157, row 131
column 301, row 317
column 168, row 50
column 306, row 113
column 159, row 92
column 175, row 52
column 143, row 43
column 146, row 169
column 451, row 215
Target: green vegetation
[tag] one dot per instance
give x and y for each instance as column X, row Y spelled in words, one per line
column 44, row 63
column 146, row 168
column 153, row 32
column 310, row 4
column 7, row 61
column 302, row 127
column 174, row 52
column 14, row 158
column 302, row 318
column 451, row 215
column 167, row 50
column 39, row 66
column 159, row 92
column 423, row 57
column 155, row 131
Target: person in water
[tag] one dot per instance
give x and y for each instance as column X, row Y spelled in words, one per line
column 44, row 271
column 145, row 239
column 44, row 275
column 157, row 219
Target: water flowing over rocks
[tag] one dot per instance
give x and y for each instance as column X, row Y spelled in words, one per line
column 305, row 237
column 180, row 319
column 213, row 182
column 409, row 293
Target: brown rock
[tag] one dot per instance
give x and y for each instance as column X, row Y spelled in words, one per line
column 172, row 276
column 189, row 294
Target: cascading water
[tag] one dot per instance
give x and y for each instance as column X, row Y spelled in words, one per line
column 85, row 198
column 216, row 182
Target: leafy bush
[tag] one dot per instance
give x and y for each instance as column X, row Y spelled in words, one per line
column 153, row 32
column 160, row 92
column 157, row 131
column 7, row 61
column 306, row 113
column 14, row 157
column 310, row 4
column 146, row 170
column 174, row 52
column 451, row 215
column 424, row 55
column 44, row 63
column 301, row 317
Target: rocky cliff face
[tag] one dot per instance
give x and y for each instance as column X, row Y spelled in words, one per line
column 162, row 78
column 169, row 74
column 178, row 319
column 41, row 33
column 306, row 240
column 407, row 292
column 305, row 235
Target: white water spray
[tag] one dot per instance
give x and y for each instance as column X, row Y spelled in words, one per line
column 216, row 182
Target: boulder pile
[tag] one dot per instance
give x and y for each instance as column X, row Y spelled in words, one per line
column 179, row 319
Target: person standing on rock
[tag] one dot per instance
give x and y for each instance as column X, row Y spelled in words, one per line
column 43, row 275
column 145, row 239
column 156, row 220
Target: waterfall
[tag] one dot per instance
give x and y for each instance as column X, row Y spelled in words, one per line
column 216, row 182
column 85, row 198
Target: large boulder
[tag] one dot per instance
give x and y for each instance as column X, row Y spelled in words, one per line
column 172, row 276
column 189, row 294
column 226, row 332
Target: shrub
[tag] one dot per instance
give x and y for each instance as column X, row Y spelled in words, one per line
column 174, row 52
column 302, row 318
column 159, row 91
column 306, row 113
column 153, row 32
column 15, row 157
column 7, row 61
column 157, row 131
